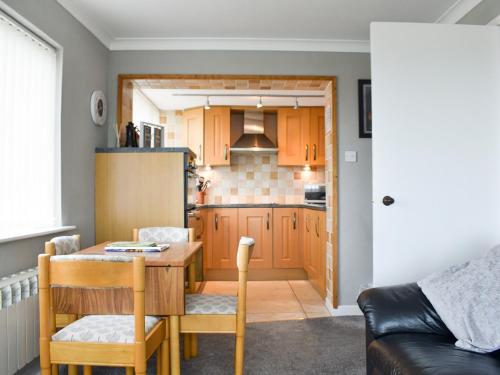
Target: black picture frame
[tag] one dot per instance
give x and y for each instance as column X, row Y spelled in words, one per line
column 365, row 108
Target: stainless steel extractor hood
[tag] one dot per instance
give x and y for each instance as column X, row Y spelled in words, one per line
column 253, row 138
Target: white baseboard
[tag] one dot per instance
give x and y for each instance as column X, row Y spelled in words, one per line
column 344, row 310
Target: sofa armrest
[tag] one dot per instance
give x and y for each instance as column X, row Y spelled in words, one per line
column 399, row 309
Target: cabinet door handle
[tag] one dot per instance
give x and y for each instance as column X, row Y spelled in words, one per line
column 200, row 156
column 225, row 152
column 307, row 222
column 316, row 225
column 202, row 224
column 267, row 221
column 294, row 220
column 307, row 152
column 314, row 152
column 216, row 222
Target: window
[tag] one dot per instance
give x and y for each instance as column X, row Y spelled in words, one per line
column 30, row 198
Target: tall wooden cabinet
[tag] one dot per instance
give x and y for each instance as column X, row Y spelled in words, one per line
column 286, row 235
column 257, row 223
column 193, row 121
column 136, row 189
column 217, row 136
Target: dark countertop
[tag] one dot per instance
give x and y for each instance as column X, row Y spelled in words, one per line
column 143, row 149
column 263, row 205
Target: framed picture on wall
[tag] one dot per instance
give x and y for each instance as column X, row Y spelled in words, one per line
column 365, row 108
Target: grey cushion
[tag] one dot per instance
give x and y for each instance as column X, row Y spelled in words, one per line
column 206, row 304
column 117, row 329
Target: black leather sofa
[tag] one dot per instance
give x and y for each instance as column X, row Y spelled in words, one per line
column 405, row 336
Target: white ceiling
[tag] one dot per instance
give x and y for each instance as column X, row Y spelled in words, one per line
column 166, row 99
column 305, row 25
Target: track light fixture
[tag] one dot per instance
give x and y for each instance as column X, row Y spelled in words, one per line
column 259, row 104
column 207, row 104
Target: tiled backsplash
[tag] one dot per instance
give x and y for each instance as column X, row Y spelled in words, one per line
column 173, row 128
column 258, row 179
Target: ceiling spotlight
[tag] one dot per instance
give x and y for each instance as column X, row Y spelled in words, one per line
column 207, row 104
column 259, row 104
column 296, row 105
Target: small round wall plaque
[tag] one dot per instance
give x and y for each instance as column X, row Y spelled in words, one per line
column 98, row 107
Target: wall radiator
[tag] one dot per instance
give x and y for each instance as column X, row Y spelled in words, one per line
column 19, row 320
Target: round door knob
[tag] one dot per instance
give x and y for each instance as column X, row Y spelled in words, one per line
column 387, row 201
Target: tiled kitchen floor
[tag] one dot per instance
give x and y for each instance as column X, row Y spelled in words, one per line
column 274, row 300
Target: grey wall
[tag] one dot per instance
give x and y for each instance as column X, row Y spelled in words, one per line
column 355, row 207
column 84, row 69
column 483, row 13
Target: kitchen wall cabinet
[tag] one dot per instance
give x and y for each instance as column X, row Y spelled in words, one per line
column 286, row 235
column 193, row 121
column 257, row 223
column 217, row 136
column 222, row 238
column 301, row 136
column 317, row 136
column 314, row 244
column 293, row 136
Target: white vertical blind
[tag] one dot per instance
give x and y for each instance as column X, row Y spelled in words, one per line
column 29, row 132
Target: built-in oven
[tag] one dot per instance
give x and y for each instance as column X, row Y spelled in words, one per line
column 315, row 194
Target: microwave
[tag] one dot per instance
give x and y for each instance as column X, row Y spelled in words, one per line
column 315, row 194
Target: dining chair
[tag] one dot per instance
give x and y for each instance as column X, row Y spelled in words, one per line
column 63, row 245
column 163, row 234
column 173, row 235
column 221, row 313
column 105, row 340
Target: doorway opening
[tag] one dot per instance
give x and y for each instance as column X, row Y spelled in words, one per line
column 174, row 95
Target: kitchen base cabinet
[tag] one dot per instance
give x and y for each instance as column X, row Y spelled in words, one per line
column 290, row 244
column 286, row 234
column 222, row 241
column 314, row 244
column 257, row 224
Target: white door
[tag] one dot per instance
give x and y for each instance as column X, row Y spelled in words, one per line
column 436, row 147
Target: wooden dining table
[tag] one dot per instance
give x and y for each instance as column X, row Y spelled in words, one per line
column 164, row 293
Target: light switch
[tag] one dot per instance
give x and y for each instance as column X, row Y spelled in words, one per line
column 351, row 156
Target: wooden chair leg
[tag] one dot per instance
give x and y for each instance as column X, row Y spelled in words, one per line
column 165, row 356
column 129, row 371
column 72, row 370
column 187, row 346
column 54, row 370
column 239, row 355
column 175, row 359
column 194, row 345
column 87, row 370
column 159, row 361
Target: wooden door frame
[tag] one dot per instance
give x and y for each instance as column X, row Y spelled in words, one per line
column 333, row 179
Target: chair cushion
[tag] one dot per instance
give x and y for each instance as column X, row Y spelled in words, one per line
column 116, row 329
column 210, row 304
column 163, row 234
column 66, row 244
